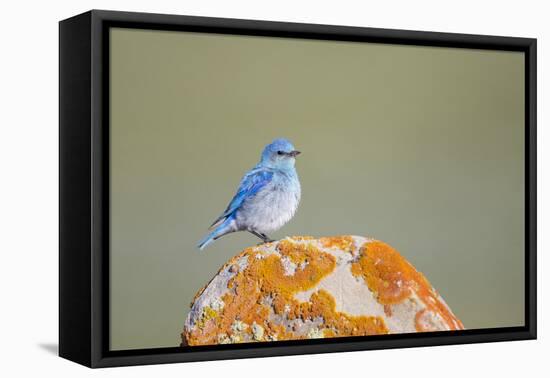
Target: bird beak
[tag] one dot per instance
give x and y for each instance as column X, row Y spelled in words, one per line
column 294, row 153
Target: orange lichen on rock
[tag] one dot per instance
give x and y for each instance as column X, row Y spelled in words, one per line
column 302, row 238
column 337, row 323
column 385, row 272
column 343, row 243
column 293, row 289
column 263, row 292
column 392, row 279
column 264, row 278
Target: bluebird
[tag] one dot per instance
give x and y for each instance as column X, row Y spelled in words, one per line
column 266, row 199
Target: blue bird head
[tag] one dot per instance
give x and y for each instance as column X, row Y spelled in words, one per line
column 279, row 154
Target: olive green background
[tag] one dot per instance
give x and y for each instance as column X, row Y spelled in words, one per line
column 420, row 147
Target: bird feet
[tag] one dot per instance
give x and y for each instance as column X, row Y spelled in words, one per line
column 264, row 237
column 265, row 241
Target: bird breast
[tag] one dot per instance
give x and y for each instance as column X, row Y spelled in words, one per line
column 271, row 207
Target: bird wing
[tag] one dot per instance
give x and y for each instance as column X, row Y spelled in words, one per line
column 250, row 184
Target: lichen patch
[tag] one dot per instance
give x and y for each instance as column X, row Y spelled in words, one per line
column 302, row 288
column 392, row 280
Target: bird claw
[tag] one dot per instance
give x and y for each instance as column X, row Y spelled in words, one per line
column 267, row 241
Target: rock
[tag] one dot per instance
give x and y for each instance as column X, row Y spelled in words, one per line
column 306, row 288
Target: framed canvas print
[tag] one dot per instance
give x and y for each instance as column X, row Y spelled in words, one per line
column 235, row 188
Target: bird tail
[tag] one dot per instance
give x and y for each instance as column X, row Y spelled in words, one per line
column 224, row 228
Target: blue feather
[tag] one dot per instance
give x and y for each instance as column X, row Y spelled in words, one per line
column 250, row 184
column 223, row 229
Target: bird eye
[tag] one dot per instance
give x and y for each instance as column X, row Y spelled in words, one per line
column 280, row 153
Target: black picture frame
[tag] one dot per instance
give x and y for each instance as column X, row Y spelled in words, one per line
column 84, row 194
